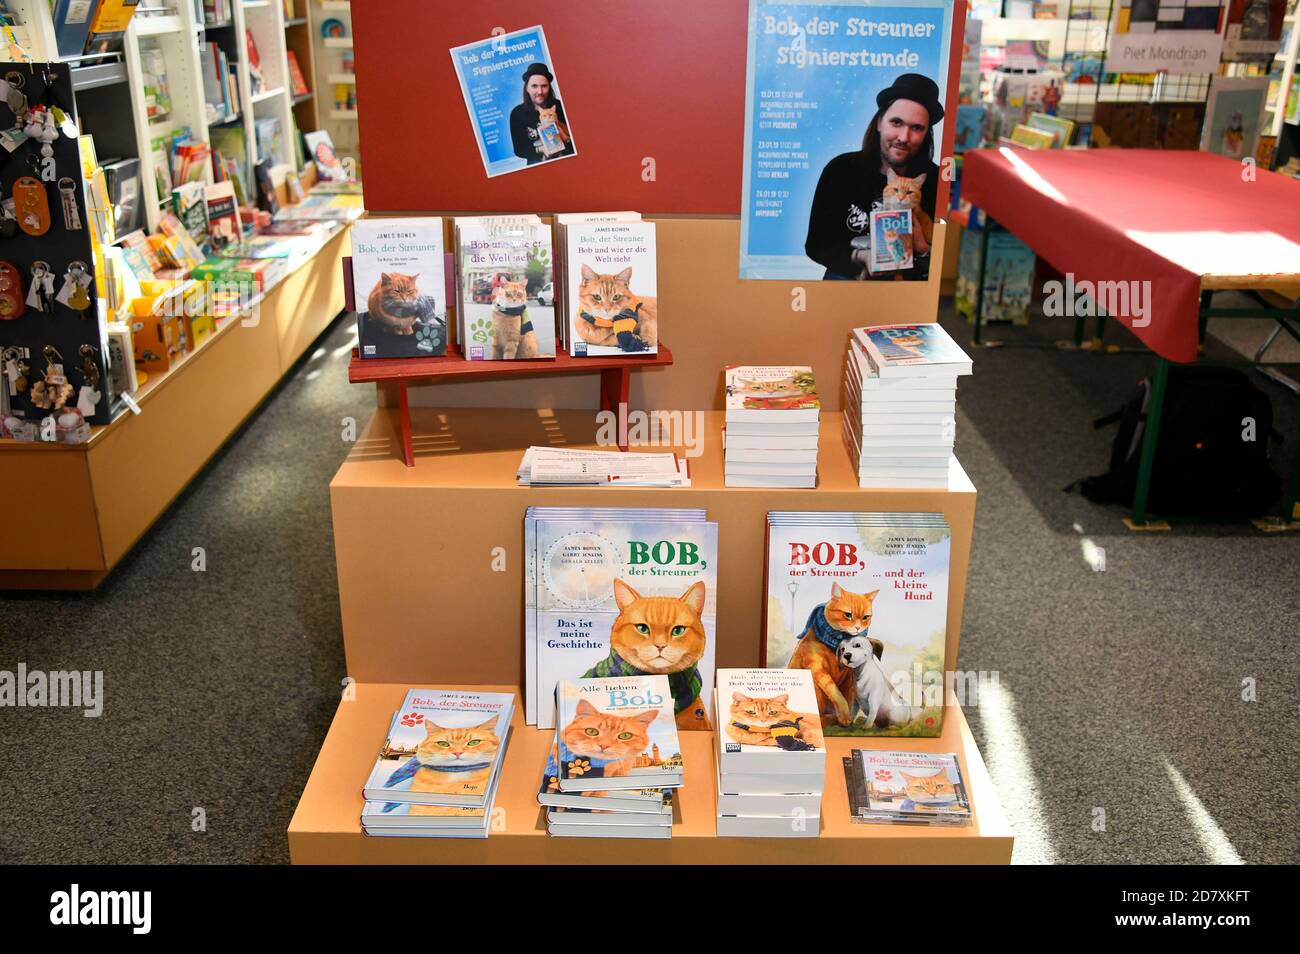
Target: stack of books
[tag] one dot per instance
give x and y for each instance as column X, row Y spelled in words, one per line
column 772, row 416
column 615, row 762
column 771, row 754
column 563, row 467
column 900, row 404
column 437, row 774
column 913, row 788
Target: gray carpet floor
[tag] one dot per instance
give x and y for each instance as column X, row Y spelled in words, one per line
column 1117, row 732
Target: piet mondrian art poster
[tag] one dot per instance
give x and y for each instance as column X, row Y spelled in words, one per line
column 1176, row 36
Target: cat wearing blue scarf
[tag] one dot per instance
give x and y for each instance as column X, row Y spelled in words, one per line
column 604, row 743
column 842, row 617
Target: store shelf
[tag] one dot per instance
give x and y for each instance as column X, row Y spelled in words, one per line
column 326, row 823
column 305, row 97
column 454, row 367
column 256, row 4
column 338, row 42
column 265, row 95
column 296, row 21
column 157, row 26
column 336, row 6
column 344, row 115
column 344, row 78
column 97, row 75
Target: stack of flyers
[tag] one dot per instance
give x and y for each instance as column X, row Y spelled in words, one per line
column 916, row 788
column 437, row 774
column 615, row 761
column 620, row 592
column 563, row 467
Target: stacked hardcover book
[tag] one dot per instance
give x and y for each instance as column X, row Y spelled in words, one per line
column 620, row 592
column 914, row 788
column 437, row 774
column 771, row 754
column 900, row 404
column 564, row 467
column 771, row 431
column 616, row 759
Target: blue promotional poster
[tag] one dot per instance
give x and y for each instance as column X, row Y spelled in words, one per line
column 843, row 117
column 514, row 101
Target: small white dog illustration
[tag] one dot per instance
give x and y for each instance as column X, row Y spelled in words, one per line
column 877, row 699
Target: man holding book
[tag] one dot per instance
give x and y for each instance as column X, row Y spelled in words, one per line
column 899, row 142
column 536, row 139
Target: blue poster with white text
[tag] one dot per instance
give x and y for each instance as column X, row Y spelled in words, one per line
column 843, row 117
column 513, row 99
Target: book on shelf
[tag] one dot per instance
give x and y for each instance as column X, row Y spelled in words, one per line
column 560, row 224
column 297, row 82
column 257, row 84
column 444, row 747
column 617, row 733
column 72, row 20
column 772, row 394
column 917, row 788
column 558, row 830
column 1061, row 130
column 153, row 81
column 398, row 275
column 503, row 265
column 772, row 419
column 189, row 205
column 224, row 226
column 862, row 597
column 652, row 801
column 912, row 350
column 595, row 815
column 406, row 819
column 620, row 592
column 611, row 288
column 108, row 29
column 769, row 724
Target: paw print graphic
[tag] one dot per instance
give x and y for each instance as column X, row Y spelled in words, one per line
column 552, row 783
column 481, row 331
column 412, row 719
column 579, row 767
column 884, row 775
column 428, row 338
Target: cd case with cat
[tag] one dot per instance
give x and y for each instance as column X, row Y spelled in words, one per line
column 400, row 288
column 444, row 747
column 617, row 733
column 611, row 284
column 906, row 788
column 769, row 723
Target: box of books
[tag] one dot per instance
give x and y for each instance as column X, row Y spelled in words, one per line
column 398, row 278
column 444, row 747
column 611, row 288
column 617, row 733
column 906, row 787
column 769, row 723
column 504, row 272
column 624, row 593
column 862, row 598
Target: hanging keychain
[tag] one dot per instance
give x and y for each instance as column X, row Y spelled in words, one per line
column 11, row 292
column 53, row 390
column 31, row 206
column 16, row 371
column 89, row 394
column 75, row 293
column 41, row 295
column 68, row 194
column 8, row 221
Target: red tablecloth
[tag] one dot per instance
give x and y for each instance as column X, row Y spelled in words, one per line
column 1143, row 215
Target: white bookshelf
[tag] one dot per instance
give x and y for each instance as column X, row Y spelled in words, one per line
column 1287, row 57
column 328, row 57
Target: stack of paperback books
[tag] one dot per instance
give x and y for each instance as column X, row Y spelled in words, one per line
column 915, row 788
column 771, row 431
column 771, row 754
column 620, row 592
column 615, row 761
column 437, row 774
column 563, row 467
column 900, row 404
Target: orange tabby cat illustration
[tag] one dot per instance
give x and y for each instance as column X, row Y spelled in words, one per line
column 844, row 615
column 615, row 744
column 512, row 330
column 752, row 719
column 656, row 635
column 611, row 315
column 928, row 793
column 394, row 303
column 454, row 761
column 552, row 115
column 900, row 192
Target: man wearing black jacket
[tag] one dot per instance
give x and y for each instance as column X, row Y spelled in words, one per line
column 524, row 118
column 900, row 137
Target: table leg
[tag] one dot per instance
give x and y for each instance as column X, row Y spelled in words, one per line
column 615, row 384
column 979, row 285
column 1150, row 436
column 404, row 416
column 1203, row 319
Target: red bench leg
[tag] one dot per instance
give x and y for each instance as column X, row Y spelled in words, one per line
column 404, row 416
column 614, row 386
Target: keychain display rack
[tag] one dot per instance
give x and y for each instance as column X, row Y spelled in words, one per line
column 51, row 339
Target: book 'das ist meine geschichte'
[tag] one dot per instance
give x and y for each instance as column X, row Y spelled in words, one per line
column 612, row 288
column 400, row 287
column 504, row 274
column 617, row 733
column 444, row 747
column 861, row 601
column 621, row 593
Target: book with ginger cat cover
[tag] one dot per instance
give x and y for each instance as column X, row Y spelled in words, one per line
column 617, row 733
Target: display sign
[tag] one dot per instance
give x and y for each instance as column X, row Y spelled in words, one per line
column 1169, row 36
column 844, row 102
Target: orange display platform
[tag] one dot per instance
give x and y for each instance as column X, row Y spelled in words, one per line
column 326, row 826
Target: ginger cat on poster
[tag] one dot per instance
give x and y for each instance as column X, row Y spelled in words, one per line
column 552, row 115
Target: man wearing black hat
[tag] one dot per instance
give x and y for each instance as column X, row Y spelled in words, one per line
column 524, row 118
column 899, row 139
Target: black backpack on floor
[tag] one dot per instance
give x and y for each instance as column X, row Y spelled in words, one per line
column 1204, row 463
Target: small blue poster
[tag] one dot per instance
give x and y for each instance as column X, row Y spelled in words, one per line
column 514, row 102
column 843, row 113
